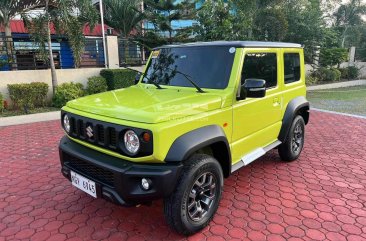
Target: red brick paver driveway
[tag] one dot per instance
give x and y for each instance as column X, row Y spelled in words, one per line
column 320, row 196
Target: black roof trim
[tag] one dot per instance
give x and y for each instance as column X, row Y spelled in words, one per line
column 248, row 44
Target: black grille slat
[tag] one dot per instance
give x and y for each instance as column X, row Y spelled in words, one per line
column 101, row 134
column 81, row 129
column 112, row 138
column 91, row 171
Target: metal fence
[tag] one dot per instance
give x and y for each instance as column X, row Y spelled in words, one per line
column 24, row 54
column 130, row 53
column 93, row 55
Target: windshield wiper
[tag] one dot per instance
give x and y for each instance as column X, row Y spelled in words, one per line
column 144, row 76
column 189, row 78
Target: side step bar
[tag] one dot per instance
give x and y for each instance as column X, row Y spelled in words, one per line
column 254, row 155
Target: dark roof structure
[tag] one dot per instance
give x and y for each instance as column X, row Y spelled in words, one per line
column 239, row 44
column 17, row 27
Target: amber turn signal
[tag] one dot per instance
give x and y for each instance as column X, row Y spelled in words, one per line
column 146, row 137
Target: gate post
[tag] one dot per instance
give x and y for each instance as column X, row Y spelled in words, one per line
column 112, row 52
column 352, row 53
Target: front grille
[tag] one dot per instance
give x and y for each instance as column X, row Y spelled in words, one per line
column 90, row 170
column 105, row 135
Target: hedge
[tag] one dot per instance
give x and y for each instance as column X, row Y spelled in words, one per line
column 350, row 72
column 28, row 96
column 96, row 84
column 66, row 92
column 118, row 78
column 324, row 74
column 333, row 56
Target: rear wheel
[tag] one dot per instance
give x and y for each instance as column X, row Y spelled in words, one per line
column 197, row 195
column 291, row 149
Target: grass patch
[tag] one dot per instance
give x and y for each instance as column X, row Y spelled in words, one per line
column 7, row 113
column 351, row 100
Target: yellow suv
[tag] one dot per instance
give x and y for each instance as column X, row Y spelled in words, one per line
column 199, row 112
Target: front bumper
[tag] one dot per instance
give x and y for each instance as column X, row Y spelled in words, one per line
column 118, row 180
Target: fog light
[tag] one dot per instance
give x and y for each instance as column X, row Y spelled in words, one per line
column 145, row 183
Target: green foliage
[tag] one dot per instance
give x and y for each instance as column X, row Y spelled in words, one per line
column 348, row 19
column 1, row 103
column 333, row 56
column 28, row 96
column 66, row 92
column 118, row 78
column 69, row 18
column 215, row 22
column 271, row 25
column 353, row 72
column 311, row 79
column 327, row 75
column 162, row 13
column 123, row 15
column 349, row 73
column 96, row 84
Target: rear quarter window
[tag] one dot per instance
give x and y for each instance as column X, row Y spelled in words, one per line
column 292, row 67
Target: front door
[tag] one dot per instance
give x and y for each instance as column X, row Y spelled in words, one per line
column 257, row 121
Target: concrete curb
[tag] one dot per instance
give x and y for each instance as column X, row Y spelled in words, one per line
column 338, row 113
column 337, row 85
column 25, row 119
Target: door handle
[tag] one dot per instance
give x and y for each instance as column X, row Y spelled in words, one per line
column 276, row 101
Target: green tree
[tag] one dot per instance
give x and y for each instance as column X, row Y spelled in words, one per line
column 215, row 22
column 123, row 15
column 69, row 18
column 348, row 18
column 259, row 19
column 162, row 13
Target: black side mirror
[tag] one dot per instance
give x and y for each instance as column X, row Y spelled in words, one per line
column 252, row 88
column 137, row 78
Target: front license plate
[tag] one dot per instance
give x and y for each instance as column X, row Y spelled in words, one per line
column 83, row 184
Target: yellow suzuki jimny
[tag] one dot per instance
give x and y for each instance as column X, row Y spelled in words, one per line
column 198, row 113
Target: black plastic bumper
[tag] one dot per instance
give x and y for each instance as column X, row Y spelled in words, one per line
column 118, row 180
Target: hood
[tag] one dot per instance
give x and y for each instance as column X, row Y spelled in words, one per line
column 147, row 105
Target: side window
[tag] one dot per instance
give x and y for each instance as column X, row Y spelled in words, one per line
column 261, row 66
column 292, row 67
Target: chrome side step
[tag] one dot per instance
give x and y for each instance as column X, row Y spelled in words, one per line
column 254, row 155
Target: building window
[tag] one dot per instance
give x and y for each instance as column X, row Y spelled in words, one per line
column 261, row 66
column 292, row 68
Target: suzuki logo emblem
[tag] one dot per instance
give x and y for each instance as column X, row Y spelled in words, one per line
column 89, row 131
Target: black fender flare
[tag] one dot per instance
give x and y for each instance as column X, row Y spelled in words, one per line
column 187, row 144
column 299, row 105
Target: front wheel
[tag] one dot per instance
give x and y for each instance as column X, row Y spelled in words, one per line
column 196, row 198
column 291, row 149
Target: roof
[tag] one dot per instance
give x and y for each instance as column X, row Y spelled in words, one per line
column 251, row 44
column 17, row 26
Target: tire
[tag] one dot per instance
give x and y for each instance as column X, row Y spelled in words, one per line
column 181, row 206
column 291, row 149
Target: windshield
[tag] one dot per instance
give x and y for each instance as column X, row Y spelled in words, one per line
column 208, row 67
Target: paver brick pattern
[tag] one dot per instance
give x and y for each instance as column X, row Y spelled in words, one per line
column 321, row 196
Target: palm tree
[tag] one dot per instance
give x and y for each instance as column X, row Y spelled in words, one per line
column 348, row 16
column 124, row 16
column 8, row 10
column 69, row 17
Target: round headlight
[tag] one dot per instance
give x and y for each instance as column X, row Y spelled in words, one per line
column 67, row 124
column 132, row 142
